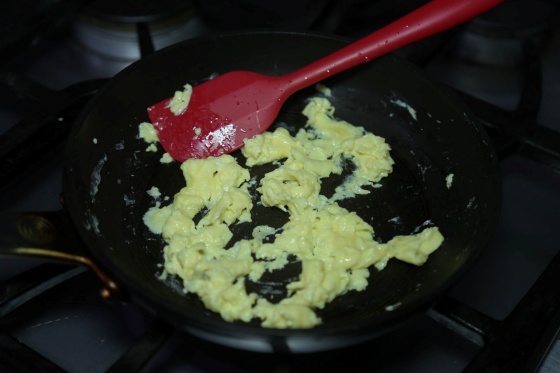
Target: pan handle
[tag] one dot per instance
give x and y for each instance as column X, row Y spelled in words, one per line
column 49, row 236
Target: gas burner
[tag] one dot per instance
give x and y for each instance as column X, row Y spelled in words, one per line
column 128, row 29
column 497, row 38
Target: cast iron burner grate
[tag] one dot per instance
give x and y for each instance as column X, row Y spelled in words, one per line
column 517, row 343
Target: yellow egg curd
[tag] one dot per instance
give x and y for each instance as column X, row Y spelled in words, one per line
column 336, row 247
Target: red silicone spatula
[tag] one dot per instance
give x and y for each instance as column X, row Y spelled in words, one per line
column 237, row 105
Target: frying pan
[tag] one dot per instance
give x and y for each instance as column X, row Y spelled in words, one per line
column 432, row 135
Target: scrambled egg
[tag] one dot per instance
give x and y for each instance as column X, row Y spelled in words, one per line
column 336, row 247
column 449, row 180
column 180, row 101
column 148, row 133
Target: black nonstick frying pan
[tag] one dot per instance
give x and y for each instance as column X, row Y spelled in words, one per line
column 108, row 173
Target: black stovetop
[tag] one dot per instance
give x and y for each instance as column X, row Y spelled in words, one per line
column 505, row 313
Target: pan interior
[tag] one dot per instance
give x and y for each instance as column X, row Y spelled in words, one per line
column 109, row 172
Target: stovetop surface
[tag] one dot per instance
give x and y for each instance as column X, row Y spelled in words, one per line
column 78, row 331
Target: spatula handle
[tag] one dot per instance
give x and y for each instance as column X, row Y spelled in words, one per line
column 428, row 20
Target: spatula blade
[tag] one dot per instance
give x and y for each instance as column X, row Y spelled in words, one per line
column 222, row 112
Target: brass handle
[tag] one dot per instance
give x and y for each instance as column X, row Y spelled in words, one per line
column 49, row 236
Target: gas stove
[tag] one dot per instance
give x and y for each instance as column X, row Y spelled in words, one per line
column 504, row 315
